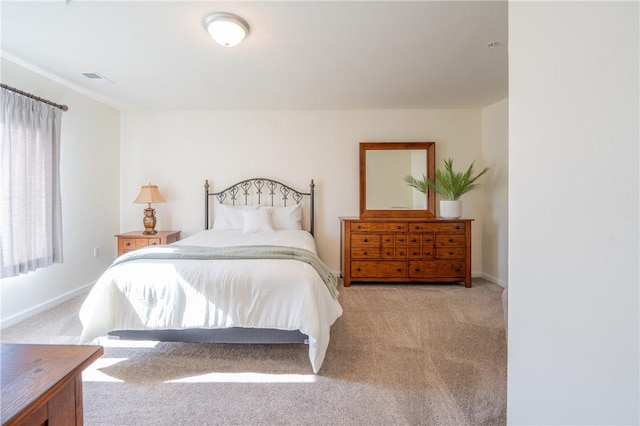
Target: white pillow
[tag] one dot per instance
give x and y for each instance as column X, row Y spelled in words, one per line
column 256, row 221
column 289, row 217
column 230, row 217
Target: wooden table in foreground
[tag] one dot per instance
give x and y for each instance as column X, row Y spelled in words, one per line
column 42, row 384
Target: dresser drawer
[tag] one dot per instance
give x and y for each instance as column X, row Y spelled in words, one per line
column 144, row 242
column 428, row 253
column 365, row 240
column 427, row 240
column 365, row 253
column 437, row 227
column 394, row 253
column 451, row 252
column 401, row 252
column 379, row 269
column 420, row 253
column 414, row 239
column 436, row 269
column 450, row 240
column 378, row 227
column 388, row 240
column 127, row 244
column 414, row 253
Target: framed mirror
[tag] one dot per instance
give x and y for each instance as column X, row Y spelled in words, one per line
column 383, row 190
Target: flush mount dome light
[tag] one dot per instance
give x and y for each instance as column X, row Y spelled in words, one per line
column 226, row 29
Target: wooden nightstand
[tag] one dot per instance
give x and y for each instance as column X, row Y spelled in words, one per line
column 130, row 241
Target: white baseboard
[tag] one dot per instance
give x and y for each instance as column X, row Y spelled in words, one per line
column 28, row 313
column 494, row 280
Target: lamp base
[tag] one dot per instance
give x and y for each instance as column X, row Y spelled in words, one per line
column 149, row 221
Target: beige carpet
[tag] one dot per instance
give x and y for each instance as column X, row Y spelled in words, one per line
column 400, row 354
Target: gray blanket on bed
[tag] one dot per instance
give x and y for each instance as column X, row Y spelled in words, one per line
column 169, row 252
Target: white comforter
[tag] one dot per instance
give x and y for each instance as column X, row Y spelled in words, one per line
column 179, row 294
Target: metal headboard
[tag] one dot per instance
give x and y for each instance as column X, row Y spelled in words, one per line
column 263, row 191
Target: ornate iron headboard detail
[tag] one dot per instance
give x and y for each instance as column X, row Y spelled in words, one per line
column 263, row 191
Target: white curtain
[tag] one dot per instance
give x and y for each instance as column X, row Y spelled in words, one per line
column 30, row 207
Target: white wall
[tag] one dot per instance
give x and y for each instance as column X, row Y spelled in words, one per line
column 89, row 187
column 495, row 229
column 179, row 150
column 573, row 213
column 108, row 155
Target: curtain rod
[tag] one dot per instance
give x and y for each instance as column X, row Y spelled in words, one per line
column 37, row 98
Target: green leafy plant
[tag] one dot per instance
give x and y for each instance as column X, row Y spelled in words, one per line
column 449, row 184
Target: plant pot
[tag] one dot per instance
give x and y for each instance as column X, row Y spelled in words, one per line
column 450, row 209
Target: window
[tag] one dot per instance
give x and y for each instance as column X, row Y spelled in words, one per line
column 30, row 207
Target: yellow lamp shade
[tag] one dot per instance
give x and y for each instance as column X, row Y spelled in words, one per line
column 149, row 194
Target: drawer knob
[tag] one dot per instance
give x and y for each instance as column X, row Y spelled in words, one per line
column 401, row 253
column 401, row 240
column 450, row 253
column 414, row 253
column 428, row 240
column 428, row 253
column 359, row 226
column 399, row 269
column 450, row 240
column 417, row 269
column 153, row 244
column 457, row 269
column 387, row 240
column 398, row 227
column 128, row 243
column 366, row 253
column 414, row 240
column 388, row 253
column 366, row 240
column 457, row 226
column 416, row 227
column 358, row 269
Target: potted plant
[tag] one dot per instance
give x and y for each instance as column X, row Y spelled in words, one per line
column 450, row 185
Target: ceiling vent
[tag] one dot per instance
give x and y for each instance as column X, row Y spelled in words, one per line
column 95, row 77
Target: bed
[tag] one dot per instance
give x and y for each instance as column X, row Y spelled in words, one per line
column 254, row 277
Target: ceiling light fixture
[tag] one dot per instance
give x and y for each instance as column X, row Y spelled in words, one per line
column 226, row 29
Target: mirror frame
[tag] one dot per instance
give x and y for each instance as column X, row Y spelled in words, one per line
column 429, row 212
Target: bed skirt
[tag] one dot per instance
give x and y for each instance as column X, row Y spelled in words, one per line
column 220, row 335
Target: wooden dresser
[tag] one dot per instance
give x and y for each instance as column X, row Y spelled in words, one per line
column 42, row 384
column 134, row 240
column 405, row 250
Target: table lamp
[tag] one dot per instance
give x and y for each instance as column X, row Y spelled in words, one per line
column 149, row 194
